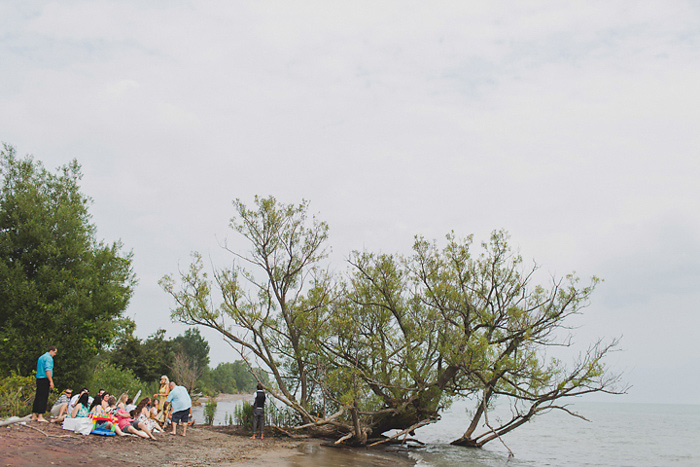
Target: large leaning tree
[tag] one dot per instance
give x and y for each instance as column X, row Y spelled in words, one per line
column 484, row 328
column 59, row 285
column 391, row 343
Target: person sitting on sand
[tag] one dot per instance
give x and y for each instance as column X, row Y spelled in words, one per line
column 144, row 416
column 63, row 400
column 153, row 412
column 121, row 403
column 140, row 421
column 125, row 425
column 68, row 408
column 111, row 406
column 129, row 405
column 96, row 406
column 82, row 407
column 100, row 408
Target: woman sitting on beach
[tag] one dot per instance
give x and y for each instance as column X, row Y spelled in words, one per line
column 81, row 409
column 153, row 413
column 96, row 406
column 121, row 404
column 100, row 408
column 142, row 416
column 125, row 424
column 129, row 406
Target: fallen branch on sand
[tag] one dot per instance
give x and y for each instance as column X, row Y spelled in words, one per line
column 46, row 434
column 11, row 420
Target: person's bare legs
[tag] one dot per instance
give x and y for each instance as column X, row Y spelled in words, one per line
column 174, row 432
column 184, row 429
column 145, row 429
column 140, row 433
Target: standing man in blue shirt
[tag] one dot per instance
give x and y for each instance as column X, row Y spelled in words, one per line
column 181, row 402
column 44, row 383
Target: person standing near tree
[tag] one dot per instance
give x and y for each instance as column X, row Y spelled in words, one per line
column 259, row 411
column 181, row 403
column 44, row 383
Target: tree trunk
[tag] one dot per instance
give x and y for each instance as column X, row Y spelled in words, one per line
column 467, row 442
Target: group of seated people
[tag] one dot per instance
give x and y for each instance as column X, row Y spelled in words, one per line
column 142, row 419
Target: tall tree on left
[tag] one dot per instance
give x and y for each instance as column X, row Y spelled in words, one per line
column 58, row 284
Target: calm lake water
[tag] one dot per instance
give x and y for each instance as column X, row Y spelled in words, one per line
column 618, row 435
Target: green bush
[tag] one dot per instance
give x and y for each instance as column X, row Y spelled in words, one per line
column 210, row 412
column 116, row 380
column 243, row 414
column 16, row 395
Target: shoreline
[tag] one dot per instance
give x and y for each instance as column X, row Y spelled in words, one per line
column 36, row 443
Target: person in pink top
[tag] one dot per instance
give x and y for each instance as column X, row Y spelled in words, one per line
column 125, row 425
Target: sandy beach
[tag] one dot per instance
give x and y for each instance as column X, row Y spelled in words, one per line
column 36, row 443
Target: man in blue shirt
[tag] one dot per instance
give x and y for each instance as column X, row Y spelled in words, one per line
column 181, row 403
column 44, row 383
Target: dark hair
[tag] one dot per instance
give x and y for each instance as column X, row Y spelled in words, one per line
column 144, row 402
column 84, row 399
column 52, row 347
column 96, row 401
column 111, row 400
column 260, row 387
column 129, row 401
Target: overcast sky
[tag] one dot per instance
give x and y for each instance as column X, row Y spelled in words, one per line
column 573, row 125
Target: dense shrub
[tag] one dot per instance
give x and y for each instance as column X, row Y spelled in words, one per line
column 16, row 395
column 116, row 380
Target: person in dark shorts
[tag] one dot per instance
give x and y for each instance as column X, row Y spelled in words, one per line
column 259, row 411
column 181, row 402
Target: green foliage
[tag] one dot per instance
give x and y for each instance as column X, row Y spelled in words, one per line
column 16, row 395
column 282, row 417
column 148, row 359
column 231, row 378
column 210, row 412
column 243, row 414
column 116, row 380
column 194, row 346
column 59, row 285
